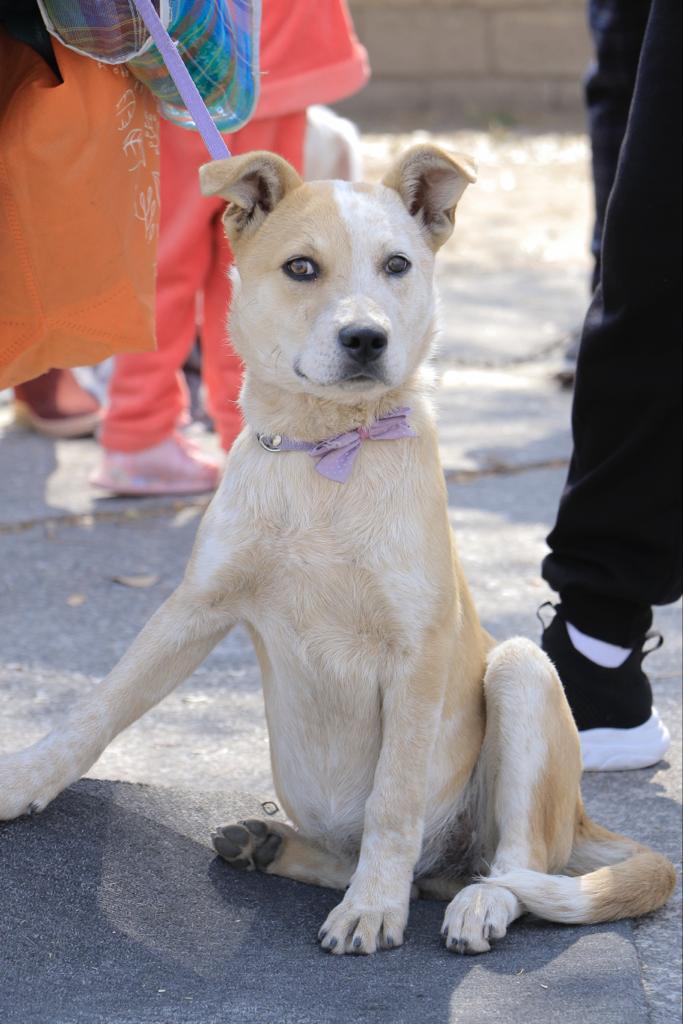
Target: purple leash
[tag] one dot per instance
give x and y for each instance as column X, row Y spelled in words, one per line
column 213, row 140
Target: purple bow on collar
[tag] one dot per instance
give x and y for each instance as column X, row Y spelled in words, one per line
column 337, row 455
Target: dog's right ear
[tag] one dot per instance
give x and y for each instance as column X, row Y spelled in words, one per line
column 252, row 184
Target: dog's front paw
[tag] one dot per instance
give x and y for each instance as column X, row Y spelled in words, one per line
column 28, row 783
column 478, row 916
column 249, row 845
column 16, row 799
column 353, row 928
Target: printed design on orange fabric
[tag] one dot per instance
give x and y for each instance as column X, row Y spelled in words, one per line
column 136, row 143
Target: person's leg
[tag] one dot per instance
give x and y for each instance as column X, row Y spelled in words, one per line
column 617, row 28
column 221, row 367
column 147, row 392
column 56, row 405
column 616, row 545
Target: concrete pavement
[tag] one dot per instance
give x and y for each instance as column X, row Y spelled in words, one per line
column 111, row 905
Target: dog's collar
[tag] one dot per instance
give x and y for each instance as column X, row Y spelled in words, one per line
column 336, row 455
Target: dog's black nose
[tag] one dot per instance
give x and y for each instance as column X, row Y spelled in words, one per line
column 363, row 344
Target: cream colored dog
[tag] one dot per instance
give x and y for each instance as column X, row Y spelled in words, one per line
column 412, row 754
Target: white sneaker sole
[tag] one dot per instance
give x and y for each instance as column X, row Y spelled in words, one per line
column 619, row 750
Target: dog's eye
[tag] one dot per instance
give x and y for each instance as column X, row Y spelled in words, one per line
column 397, row 265
column 301, row 269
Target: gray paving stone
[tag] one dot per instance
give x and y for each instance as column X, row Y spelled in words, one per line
column 492, row 420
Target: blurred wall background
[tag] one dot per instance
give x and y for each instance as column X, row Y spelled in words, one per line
column 450, row 62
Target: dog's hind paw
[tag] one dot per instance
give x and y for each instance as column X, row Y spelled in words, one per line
column 248, row 845
column 478, row 916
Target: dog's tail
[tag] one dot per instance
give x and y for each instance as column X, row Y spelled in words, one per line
column 609, row 877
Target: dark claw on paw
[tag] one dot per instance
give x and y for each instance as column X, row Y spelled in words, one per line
column 357, row 942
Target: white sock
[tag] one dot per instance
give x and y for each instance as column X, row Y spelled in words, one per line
column 597, row 651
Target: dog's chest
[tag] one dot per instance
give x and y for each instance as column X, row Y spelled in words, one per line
column 326, row 640
column 343, row 610
column 344, row 596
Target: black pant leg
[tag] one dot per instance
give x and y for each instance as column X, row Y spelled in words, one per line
column 616, row 545
column 617, row 28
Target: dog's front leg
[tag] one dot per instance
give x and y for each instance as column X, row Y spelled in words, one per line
column 172, row 644
column 374, row 911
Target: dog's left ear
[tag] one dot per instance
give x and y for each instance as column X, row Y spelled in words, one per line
column 252, row 184
column 430, row 183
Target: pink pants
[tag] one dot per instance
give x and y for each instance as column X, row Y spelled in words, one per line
column 147, row 393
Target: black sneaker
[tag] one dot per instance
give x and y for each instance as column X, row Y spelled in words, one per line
column 618, row 726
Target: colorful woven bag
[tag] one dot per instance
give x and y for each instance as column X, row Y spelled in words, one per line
column 217, row 39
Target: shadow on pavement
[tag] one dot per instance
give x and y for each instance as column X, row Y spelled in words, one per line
column 114, row 908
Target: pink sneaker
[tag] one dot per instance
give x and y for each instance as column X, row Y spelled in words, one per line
column 174, row 466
